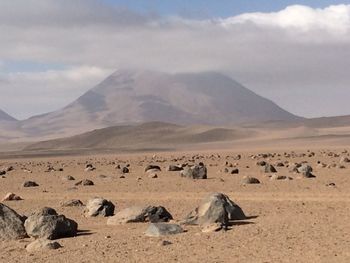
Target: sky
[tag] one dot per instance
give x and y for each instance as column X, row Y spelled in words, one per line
column 296, row 53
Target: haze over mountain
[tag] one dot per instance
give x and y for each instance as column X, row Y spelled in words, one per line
column 138, row 96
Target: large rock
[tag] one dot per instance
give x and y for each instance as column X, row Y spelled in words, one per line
column 163, row 229
column 11, row 224
column 195, row 172
column 215, row 208
column 99, row 207
column 46, row 223
column 135, row 214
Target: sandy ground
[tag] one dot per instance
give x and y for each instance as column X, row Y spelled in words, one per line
column 302, row 220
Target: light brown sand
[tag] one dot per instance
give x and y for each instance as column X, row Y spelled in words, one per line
column 301, row 220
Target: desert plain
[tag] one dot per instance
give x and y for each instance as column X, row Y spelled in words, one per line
column 295, row 219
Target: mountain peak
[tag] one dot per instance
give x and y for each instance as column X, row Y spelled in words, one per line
column 137, row 96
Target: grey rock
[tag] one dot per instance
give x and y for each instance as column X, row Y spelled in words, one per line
column 99, row 207
column 195, row 172
column 215, row 208
column 306, row 171
column 269, row 168
column 134, row 214
column 11, row 224
column 163, row 229
column 46, row 223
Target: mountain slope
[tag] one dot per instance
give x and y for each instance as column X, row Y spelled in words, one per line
column 6, row 117
column 134, row 96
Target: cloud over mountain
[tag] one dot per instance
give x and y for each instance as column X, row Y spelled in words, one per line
column 288, row 56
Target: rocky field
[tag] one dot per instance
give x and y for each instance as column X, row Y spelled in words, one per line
column 222, row 206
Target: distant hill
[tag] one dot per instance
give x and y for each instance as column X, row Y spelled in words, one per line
column 138, row 96
column 148, row 135
column 158, row 136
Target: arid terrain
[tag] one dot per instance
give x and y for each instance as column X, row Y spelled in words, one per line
column 174, row 131
column 296, row 220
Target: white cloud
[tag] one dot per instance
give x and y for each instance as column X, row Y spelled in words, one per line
column 334, row 19
column 290, row 55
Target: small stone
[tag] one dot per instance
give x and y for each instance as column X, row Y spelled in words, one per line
column 30, row 184
column 235, row 171
column 11, row 197
column 153, row 175
column 89, row 169
column 85, row 182
column 42, row 244
column 250, row 180
column 68, row 178
column 152, row 167
column 280, row 177
column 72, row 202
column 165, row 243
